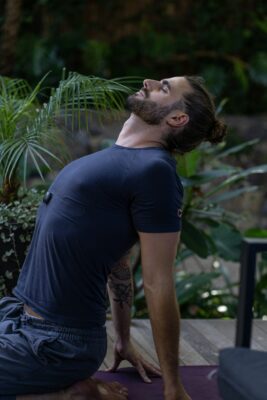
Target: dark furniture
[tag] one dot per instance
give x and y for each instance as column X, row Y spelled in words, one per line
column 243, row 372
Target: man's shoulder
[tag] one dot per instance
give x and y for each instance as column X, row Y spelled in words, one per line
column 158, row 163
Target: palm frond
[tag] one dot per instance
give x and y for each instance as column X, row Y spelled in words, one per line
column 79, row 93
column 28, row 129
column 16, row 88
column 29, row 101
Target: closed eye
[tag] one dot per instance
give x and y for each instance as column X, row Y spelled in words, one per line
column 164, row 88
column 165, row 85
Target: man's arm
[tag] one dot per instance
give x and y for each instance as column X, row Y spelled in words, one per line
column 120, row 290
column 158, row 251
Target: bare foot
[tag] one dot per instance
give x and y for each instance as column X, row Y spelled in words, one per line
column 178, row 393
column 184, row 395
column 94, row 389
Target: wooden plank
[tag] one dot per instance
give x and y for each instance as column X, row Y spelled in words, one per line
column 211, row 333
column 228, row 329
column 260, row 333
column 145, row 342
column 198, row 341
column 262, row 324
column 189, row 356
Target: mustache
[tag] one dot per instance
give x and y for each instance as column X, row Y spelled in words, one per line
column 145, row 91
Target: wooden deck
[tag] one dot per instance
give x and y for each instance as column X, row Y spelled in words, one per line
column 200, row 340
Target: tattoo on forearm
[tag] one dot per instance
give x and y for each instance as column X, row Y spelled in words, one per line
column 120, row 284
column 122, row 293
column 122, row 273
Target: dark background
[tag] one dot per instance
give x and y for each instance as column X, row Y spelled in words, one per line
column 225, row 41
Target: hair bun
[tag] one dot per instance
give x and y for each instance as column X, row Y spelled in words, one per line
column 217, row 132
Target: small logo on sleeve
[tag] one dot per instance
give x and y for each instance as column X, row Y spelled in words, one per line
column 179, row 212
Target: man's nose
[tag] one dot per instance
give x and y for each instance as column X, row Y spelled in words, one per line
column 151, row 84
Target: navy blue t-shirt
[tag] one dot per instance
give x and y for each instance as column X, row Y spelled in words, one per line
column 97, row 205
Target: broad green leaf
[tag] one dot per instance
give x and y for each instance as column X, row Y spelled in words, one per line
column 238, row 148
column 215, row 213
column 189, row 287
column 228, row 241
column 260, row 169
column 209, row 221
column 188, row 163
column 194, row 239
column 208, row 176
column 256, row 233
column 232, row 194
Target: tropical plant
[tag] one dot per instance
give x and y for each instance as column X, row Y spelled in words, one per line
column 208, row 227
column 28, row 129
column 209, row 230
column 155, row 39
column 260, row 294
column 31, row 140
column 17, row 221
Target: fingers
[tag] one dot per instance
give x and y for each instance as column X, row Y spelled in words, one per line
column 142, row 372
column 152, row 368
column 116, row 363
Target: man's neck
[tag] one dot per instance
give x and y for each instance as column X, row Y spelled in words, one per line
column 136, row 133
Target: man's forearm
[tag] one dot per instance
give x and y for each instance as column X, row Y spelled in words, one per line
column 120, row 289
column 165, row 322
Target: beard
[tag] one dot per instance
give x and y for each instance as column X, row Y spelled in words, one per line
column 149, row 111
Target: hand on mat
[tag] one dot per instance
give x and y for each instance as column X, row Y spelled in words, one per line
column 129, row 353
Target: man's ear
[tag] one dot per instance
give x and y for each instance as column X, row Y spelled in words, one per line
column 177, row 119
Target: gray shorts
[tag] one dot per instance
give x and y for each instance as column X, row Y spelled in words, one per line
column 37, row 356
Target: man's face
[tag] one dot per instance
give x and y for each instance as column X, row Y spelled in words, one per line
column 154, row 101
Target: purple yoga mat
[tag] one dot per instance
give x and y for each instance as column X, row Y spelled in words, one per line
column 199, row 381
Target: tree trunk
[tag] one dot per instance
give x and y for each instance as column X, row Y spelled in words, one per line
column 9, row 191
column 9, row 35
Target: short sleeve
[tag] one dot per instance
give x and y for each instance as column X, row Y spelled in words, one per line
column 157, row 202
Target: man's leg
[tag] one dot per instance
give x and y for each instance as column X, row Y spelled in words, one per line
column 31, row 361
column 90, row 389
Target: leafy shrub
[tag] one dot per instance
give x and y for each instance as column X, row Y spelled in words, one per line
column 17, row 222
column 210, row 230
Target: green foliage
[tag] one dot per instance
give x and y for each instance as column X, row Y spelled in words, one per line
column 226, row 42
column 28, row 130
column 215, row 78
column 260, row 294
column 258, row 68
column 260, row 298
column 198, row 298
column 209, row 230
column 95, row 54
column 17, row 221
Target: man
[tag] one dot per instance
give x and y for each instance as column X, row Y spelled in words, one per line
column 52, row 331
